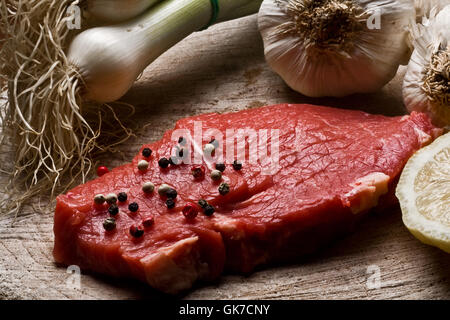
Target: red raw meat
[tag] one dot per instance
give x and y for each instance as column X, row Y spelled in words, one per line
column 334, row 165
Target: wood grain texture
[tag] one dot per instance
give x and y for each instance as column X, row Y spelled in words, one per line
column 223, row 69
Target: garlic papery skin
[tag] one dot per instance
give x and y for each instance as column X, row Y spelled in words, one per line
column 114, row 11
column 426, row 86
column 424, row 7
column 355, row 55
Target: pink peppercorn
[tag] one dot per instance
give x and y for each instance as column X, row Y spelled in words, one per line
column 198, row 172
column 102, row 170
column 190, row 210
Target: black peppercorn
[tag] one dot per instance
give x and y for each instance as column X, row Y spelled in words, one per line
column 113, row 209
column 146, row 152
column 170, row 203
column 133, row 207
column 109, row 224
column 202, row 203
column 237, row 165
column 163, row 162
column 220, row 167
column 224, row 188
column 122, row 197
column 171, row 193
column 208, row 210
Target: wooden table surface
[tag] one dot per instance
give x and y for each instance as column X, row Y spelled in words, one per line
column 223, row 69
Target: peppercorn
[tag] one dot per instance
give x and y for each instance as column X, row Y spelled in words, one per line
column 113, row 210
column 170, row 203
column 224, row 188
column 162, row 190
column 220, row 167
column 237, row 165
column 216, row 175
column 136, row 232
column 111, row 198
column 122, row 197
column 198, row 172
column 142, row 165
column 190, row 210
column 163, row 162
column 208, row 210
column 133, row 207
column 109, row 224
column 202, row 203
column 171, row 193
column 147, row 223
column 99, row 199
column 146, row 152
column 102, row 170
column 148, row 187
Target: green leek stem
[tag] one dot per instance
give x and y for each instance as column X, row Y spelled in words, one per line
column 127, row 49
column 170, row 21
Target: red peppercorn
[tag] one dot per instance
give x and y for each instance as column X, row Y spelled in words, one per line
column 190, row 210
column 198, row 172
column 147, row 223
column 102, row 170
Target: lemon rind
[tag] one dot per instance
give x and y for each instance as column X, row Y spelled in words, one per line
column 428, row 231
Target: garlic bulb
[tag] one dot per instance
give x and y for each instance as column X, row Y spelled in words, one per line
column 117, row 10
column 424, row 7
column 426, row 85
column 335, row 47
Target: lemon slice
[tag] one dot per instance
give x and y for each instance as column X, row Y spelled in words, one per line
column 424, row 194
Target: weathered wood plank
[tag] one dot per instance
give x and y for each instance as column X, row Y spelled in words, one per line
column 223, row 69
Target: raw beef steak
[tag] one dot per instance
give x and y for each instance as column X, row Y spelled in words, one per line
column 324, row 168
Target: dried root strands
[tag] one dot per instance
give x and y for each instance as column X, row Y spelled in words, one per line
column 437, row 80
column 51, row 135
column 426, row 86
column 325, row 25
column 335, row 47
